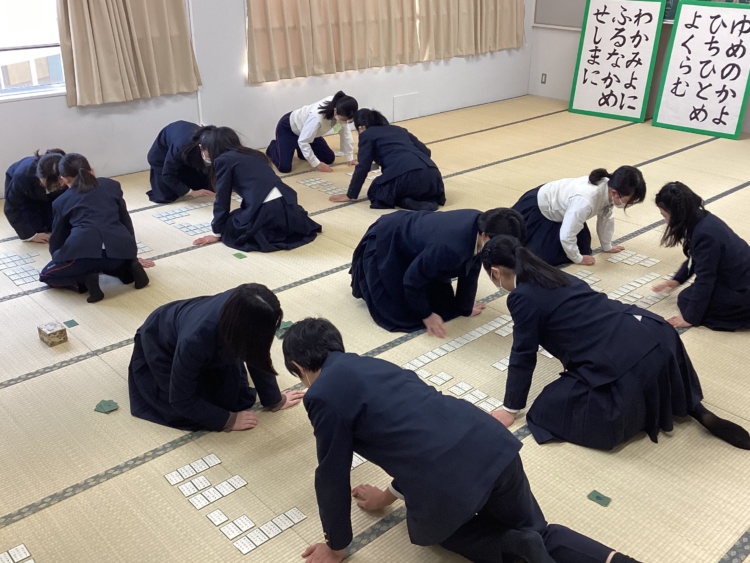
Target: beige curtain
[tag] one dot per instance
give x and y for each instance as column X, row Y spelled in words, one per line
column 458, row 28
column 292, row 38
column 122, row 50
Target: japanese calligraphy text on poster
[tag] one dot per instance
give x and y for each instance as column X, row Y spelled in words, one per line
column 704, row 88
column 616, row 58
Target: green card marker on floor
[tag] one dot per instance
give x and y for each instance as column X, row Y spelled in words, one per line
column 71, row 323
column 599, row 498
column 106, row 406
column 239, row 255
column 283, row 327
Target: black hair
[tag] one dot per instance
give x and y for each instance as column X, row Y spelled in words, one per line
column 626, row 181
column 37, row 156
column 503, row 221
column 47, row 170
column 74, row 165
column 248, row 322
column 685, row 208
column 345, row 106
column 508, row 252
column 191, row 155
column 309, row 342
column 218, row 140
column 369, row 118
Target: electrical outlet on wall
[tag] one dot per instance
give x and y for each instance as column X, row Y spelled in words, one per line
column 544, row 78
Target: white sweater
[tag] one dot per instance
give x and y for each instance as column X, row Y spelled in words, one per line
column 572, row 202
column 309, row 125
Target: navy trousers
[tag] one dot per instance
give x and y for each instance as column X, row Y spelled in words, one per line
column 511, row 509
column 281, row 150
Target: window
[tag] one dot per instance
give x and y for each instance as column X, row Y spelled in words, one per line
column 29, row 47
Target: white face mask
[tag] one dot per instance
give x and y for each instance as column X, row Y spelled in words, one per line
column 620, row 205
column 207, row 160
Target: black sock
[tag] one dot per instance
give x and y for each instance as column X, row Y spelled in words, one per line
column 92, row 284
column 728, row 431
column 139, row 274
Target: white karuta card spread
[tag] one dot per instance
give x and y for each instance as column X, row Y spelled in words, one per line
column 199, row 465
column 211, row 460
column 244, row 523
column 201, row 483
column 186, row 471
column 423, row 373
column 257, row 537
column 283, row 522
column 225, row 488
column 295, row 515
column 188, row 489
column 245, row 545
column 217, row 517
column 236, row 481
column 270, row 529
column 199, row 501
column 174, row 477
column 231, row 530
column 5, row 557
column 19, row 553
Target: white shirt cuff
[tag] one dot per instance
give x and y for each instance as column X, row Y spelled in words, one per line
column 513, row 411
column 395, row 492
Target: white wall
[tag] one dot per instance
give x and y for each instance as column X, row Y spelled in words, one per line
column 116, row 137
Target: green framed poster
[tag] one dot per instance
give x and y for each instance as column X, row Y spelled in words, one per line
column 616, row 57
column 671, row 10
column 704, row 88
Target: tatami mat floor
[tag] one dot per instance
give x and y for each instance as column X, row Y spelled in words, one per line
column 80, row 486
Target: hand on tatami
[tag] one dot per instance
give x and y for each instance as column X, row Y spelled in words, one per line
column 42, row 238
column 477, row 309
column 435, row 326
column 507, row 418
column 678, row 322
column 666, row 286
column 323, row 167
column 293, row 398
column 245, row 420
column 146, row 263
column 615, row 249
column 588, row 261
column 201, row 193
column 339, row 198
column 372, row 498
column 205, row 240
column 321, row 553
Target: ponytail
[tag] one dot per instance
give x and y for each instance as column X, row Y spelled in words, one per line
column 76, row 166
column 508, row 252
column 685, row 207
column 627, row 181
column 598, row 175
column 47, row 170
column 345, row 106
column 503, row 221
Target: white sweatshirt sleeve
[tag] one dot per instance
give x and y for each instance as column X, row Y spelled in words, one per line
column 310, row 130
column 605, row 227
column 347, row 142
column 577, row 213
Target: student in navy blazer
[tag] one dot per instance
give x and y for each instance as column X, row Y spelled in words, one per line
column 718, row 258
column 177, row 168
column 188, row 364
column 29, row 196
column 458, row 469
column 404, row 265
column 269, row 217
column 625, row 369
column 92, row 233
column 409, row 179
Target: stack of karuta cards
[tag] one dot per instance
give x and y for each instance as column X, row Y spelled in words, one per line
column 16, row 555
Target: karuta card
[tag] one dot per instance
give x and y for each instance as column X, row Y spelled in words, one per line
column 244, row 523
column 19, row 553
column 270, row 529
column 231, row 530
column 211, row 494
column 283, row 522
column 199, row 501
column 173, row 478
column 225, row 488
column 5, row 557
column 201, row 483
column 186, row 471
column 199, row 465
column 295, row 515
column 245, row 545
column 211, row 460
column 236, row 481
column 258, row 537
column 217, row 517
column 188, row 489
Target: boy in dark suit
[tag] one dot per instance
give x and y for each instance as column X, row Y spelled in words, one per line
column 455, row 466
